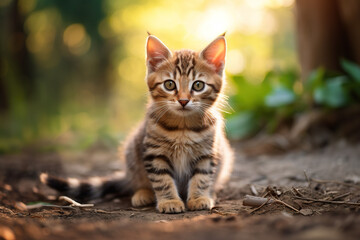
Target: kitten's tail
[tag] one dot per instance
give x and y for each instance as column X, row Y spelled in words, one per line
column 88, row 189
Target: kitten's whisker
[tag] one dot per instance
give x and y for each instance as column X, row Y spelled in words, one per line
column 208, row 116
column 166, row 110
column 219, row 108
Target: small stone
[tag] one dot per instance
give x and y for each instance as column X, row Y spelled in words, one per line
column 21, row 206
column 306, row 211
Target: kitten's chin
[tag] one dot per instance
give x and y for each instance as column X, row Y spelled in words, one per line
column 184, row 111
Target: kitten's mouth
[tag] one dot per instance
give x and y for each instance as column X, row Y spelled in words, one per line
column 183, row 109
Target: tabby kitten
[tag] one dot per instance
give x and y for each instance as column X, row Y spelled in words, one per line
column 180, row 152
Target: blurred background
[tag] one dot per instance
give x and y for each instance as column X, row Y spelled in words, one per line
column 72, row 72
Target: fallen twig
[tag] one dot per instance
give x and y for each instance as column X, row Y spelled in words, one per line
column 107, row 212
column 74, row 203
column 268, row 199
column 253, row 190
column 327, row 201
column 254, row 201
column 222, row 213
column 287, row 205
column 24, row 207
column 272, row 191
column 307, row 179
column 341, row 196
column 298, row 192
column 259, row 202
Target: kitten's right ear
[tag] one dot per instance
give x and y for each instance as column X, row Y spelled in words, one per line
column 156, row 52
column 215, row 53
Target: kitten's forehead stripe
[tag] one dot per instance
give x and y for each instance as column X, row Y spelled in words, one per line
column 185, row 62
column 193, row 65
column 189, row 71
column 178, row 69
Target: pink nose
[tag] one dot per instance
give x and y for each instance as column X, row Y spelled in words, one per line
column 183, row 102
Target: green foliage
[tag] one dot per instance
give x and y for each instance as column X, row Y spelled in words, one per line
column 351, row 69
column 242, row 124
column 281, row 95
column 332, row 92
column 262, row 105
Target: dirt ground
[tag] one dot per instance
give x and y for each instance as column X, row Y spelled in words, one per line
column 331, row 173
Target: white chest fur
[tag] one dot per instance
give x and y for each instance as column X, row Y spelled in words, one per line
column 187, row 146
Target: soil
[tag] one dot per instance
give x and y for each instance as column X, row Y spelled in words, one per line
column 331, row 173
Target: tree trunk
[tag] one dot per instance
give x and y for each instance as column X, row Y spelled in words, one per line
column 326, row 31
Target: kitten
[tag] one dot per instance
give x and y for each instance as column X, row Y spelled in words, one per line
column 180, row 152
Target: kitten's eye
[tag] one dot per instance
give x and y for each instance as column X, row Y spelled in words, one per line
column 169, row 85
column 198, row 86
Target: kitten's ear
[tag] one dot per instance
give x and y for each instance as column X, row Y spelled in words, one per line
column 215, row 54
column 156, row 52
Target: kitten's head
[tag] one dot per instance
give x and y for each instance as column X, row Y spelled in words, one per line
column 185, row 82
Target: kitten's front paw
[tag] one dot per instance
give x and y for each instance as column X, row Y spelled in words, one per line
column 143, row 197
column 171, row 206
column 200, row 203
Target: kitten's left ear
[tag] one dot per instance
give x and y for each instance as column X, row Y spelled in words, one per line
column 156, row 52
column 215, row 54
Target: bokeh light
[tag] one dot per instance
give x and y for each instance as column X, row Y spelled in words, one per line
column 76, row 39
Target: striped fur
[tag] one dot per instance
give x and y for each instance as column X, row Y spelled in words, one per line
column 179, row 155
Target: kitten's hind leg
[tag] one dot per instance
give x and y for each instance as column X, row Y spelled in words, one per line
column 143, row 197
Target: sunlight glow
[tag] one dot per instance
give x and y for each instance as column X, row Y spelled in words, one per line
column 235, row 62
column 258, row 4
column 213, row 22
column 279, row 3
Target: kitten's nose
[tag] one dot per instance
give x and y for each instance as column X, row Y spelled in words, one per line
column 183, row 102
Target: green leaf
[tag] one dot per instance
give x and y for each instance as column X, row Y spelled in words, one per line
column 268, row 77
column 280, row 96
column 248, row 96
column 319, row 95
column 333, row 94
column 315, row 79
column 241, row 125
column 352, row 69
column 288, row 78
